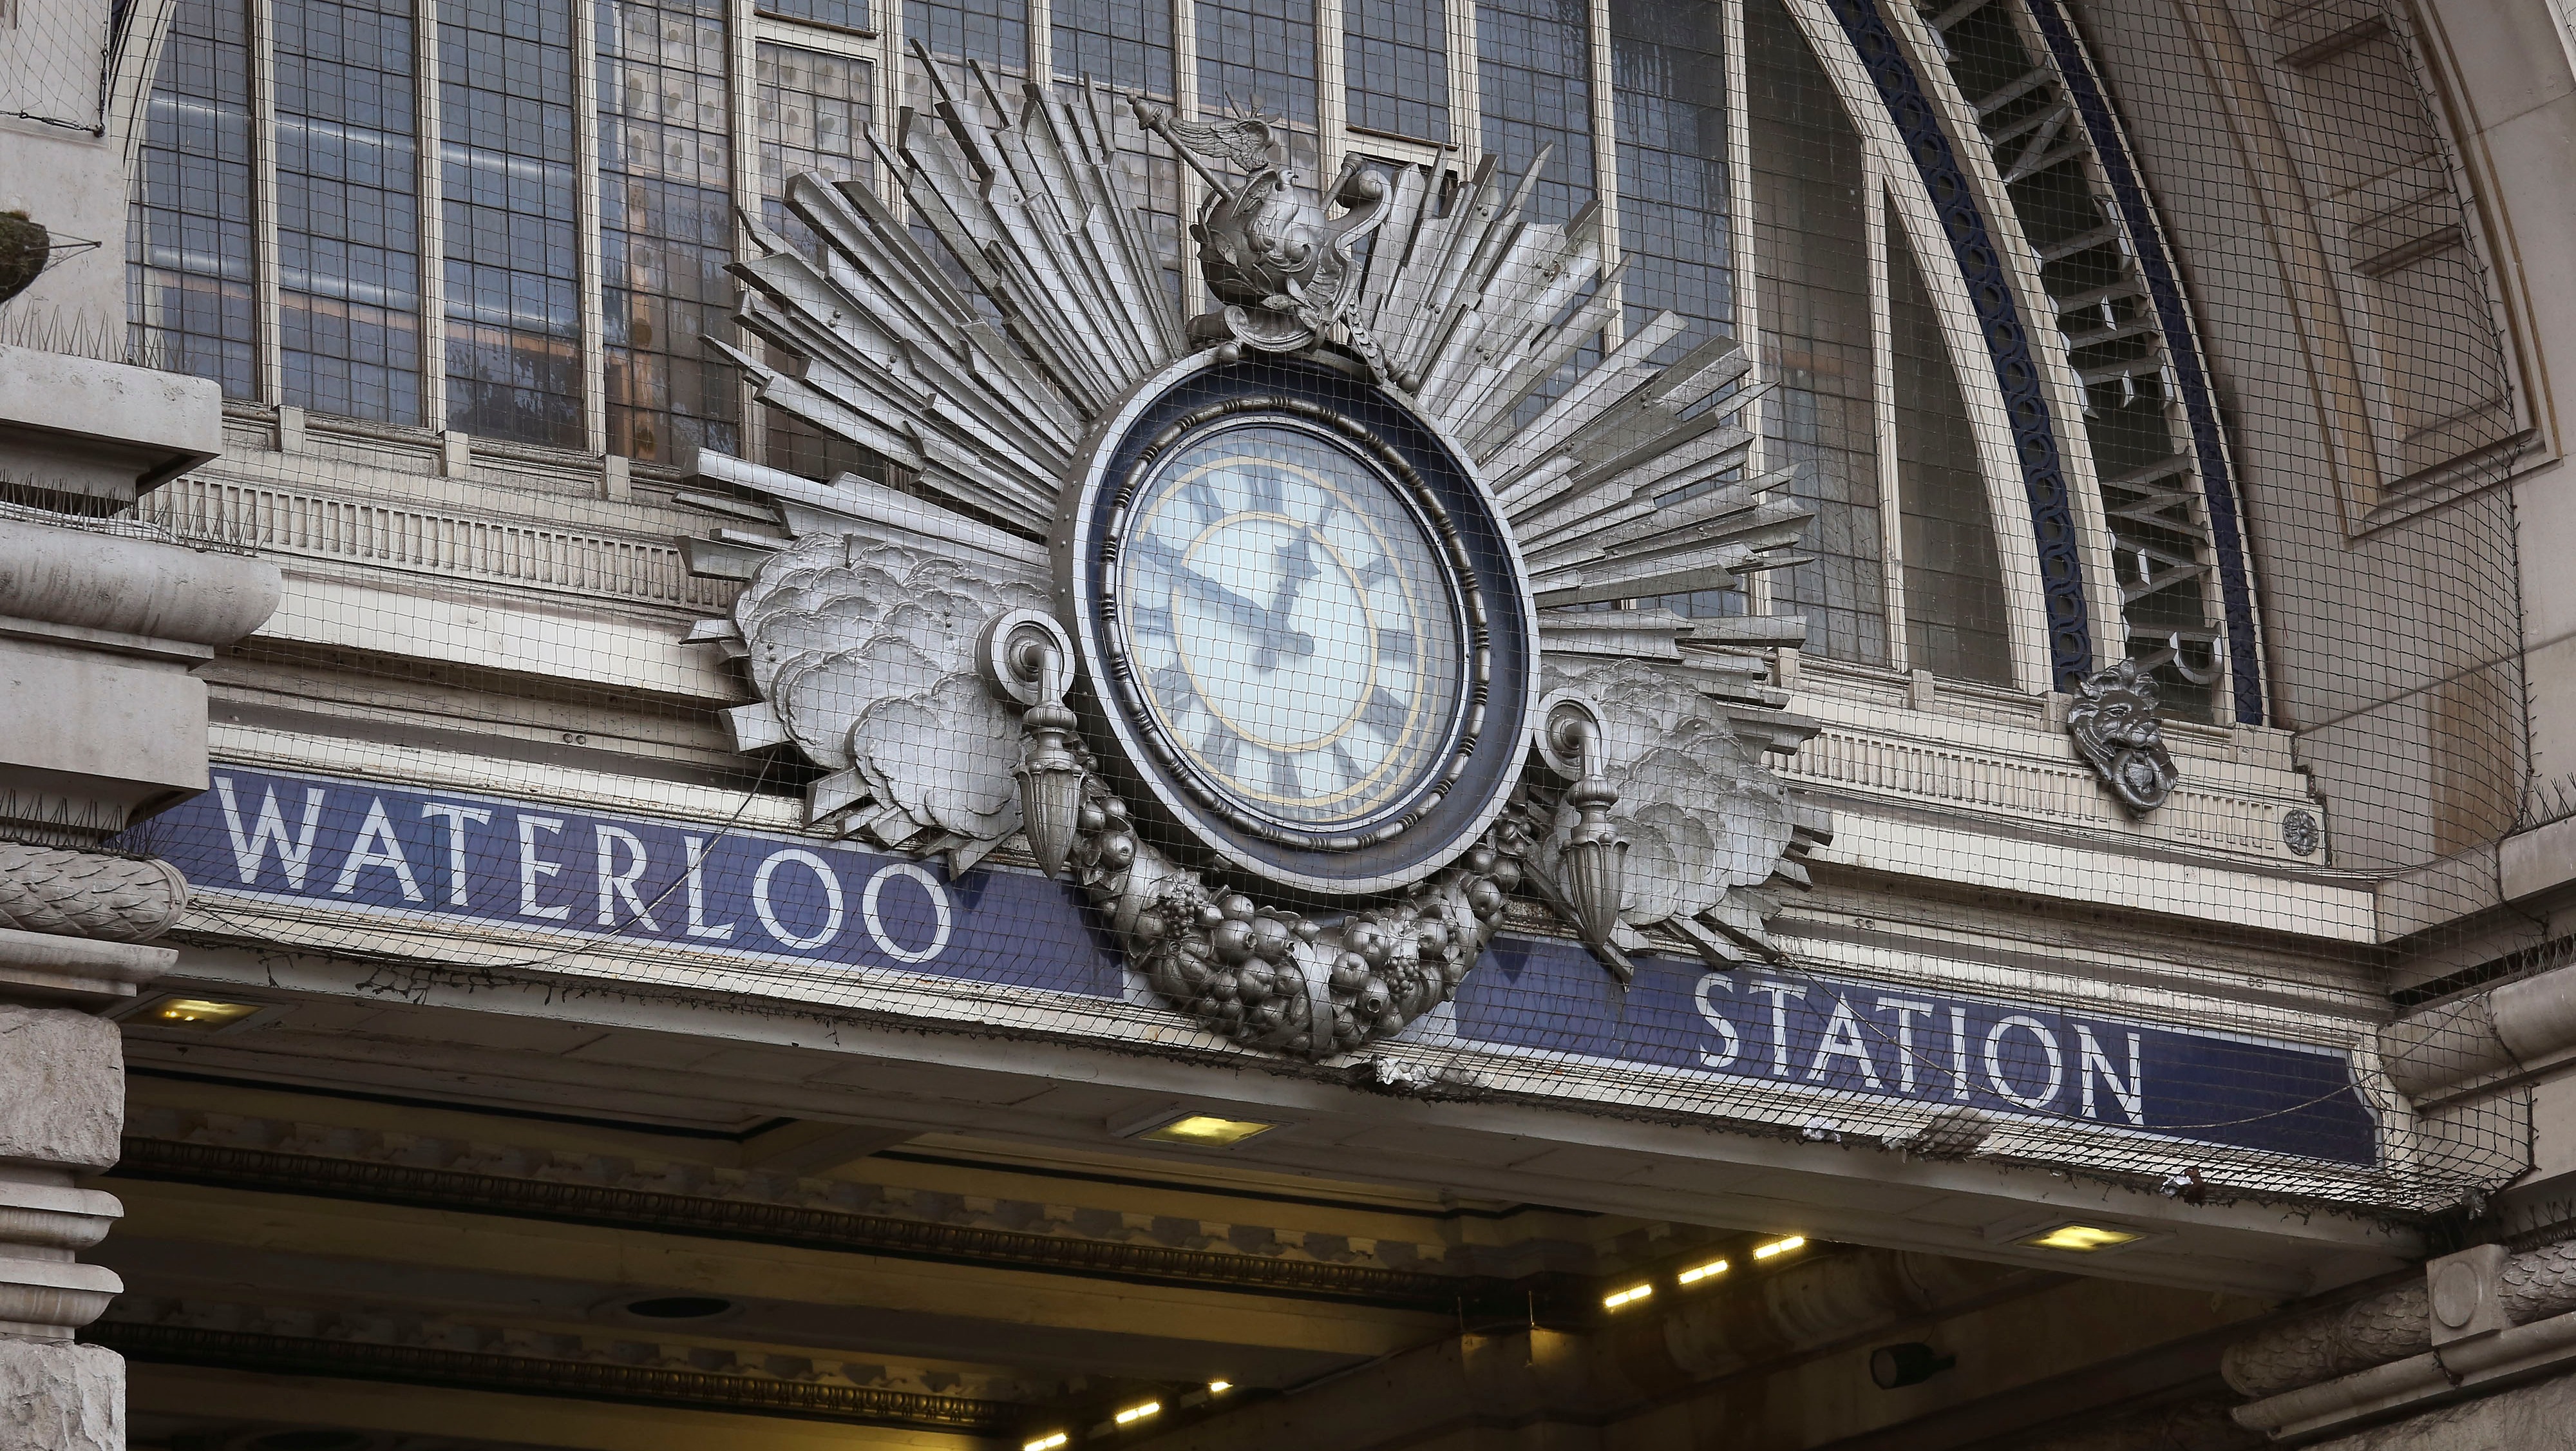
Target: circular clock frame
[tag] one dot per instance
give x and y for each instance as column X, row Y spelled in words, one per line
column 1462, row 783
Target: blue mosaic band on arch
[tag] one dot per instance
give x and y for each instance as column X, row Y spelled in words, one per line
column 2182, row 346
column 2043, row 472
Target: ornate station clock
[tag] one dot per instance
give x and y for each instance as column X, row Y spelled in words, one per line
column 1304, row 622
column 1303, row 635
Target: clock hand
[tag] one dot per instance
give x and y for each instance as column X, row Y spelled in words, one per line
column 1248, row 616
column 1296, row 566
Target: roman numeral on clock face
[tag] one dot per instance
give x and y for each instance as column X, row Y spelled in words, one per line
column 1200, row 495
column 1348, row 768
column 1222, row 749
column 1152, row 552
column 1384, row 714
column 1173, row 688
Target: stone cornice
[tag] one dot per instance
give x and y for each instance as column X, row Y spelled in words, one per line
column 589, row 1380
column 801, row 1225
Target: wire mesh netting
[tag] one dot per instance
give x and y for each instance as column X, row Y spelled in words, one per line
column 1819, row 395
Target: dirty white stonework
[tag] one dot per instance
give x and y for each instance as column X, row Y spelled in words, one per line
column 66, row 1100
column 61, row 1397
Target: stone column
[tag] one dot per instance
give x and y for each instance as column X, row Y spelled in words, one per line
column 103, row 622
column 62, row 1103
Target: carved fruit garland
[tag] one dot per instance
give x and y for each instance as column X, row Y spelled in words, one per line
column 1251, row 972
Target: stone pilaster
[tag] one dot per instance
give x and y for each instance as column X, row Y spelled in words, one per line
column 103, row 624
column 62, row 1109
column 2491, row 1321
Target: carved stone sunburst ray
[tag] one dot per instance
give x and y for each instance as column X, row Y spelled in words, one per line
column 974, row 338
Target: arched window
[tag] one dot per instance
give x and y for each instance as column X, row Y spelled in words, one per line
column 521, row 235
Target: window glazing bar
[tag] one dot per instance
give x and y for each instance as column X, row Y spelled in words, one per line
column 432, row 191
column 1041, row 58
column 1605, row 154
column 742, row 101
column 1332, row 99
column 1185, row 104
column 1882, row 401
column 594, row 316
column 266, row 348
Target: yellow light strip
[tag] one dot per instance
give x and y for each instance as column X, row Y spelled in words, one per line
column 2083, row 1238
column 1219, row 1387
column 1779, row 1246
column 1697, row 1273
column 1628, row 1296
column 1047, row 1443
column 200, row 1012
column 1133, row 1414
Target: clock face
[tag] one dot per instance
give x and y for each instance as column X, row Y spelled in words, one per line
column 1307, row 652
column 1291, row 626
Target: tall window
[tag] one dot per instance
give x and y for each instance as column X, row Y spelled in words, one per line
column 989, row 31
column 1954, row 584
column 1534, row 76
column 1396, row 58
column 1128, row 46
column 665, row 227
column 837, row 14
column 1669, row 64
column 507, row 148
column 348, row 204
column 1811, row 219
column 588, row 187
column 190, row 240
column 813, row 111
column 1259, row 54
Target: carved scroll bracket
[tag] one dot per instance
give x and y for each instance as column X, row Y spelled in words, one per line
column 1590, row 885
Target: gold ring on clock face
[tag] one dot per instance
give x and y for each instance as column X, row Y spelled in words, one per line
column 1290, row 625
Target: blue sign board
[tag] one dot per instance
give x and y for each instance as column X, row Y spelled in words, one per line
column 1931, row 1048
column 376, row 851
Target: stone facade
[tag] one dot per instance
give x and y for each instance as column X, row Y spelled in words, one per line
column 2356, row 853
column 102, row 723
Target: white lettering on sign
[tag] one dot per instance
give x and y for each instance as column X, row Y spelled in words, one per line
column 455, row 817
column 377, row 848
column 1842, row 1040
column 531, row 867
column 2089, row 1058
column 250, row 849
column 1995, row 1078
column 616, row 885
column 1780, row 993
column 696, row 850
column 822, row 871
column 939, row 908
column 1726, row 1030
column 1906, row 1012
column 1958, row 1052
